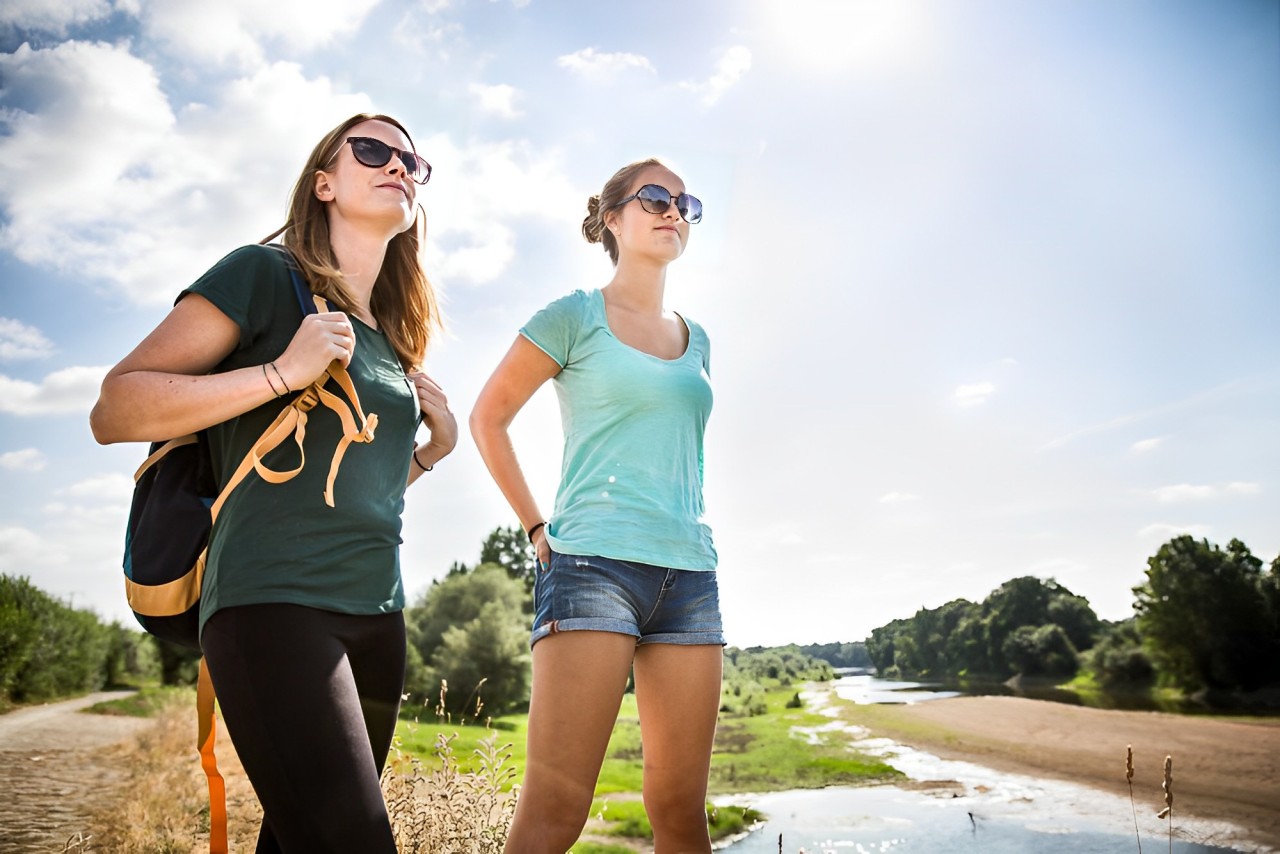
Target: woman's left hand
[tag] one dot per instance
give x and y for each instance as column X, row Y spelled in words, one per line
column 436, row 414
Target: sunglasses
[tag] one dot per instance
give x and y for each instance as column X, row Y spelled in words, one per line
column 656, row 200
column 375, row 154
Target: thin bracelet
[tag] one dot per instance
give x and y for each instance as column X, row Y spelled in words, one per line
column 267, row 377
column 287, row 390
column 531, row 531
column 418, row 462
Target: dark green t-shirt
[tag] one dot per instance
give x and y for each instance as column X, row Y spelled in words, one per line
column 281, row 543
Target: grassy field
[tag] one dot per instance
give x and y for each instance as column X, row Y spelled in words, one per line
column 781, row 748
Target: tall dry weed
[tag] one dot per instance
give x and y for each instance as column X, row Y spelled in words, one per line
column 449, row 811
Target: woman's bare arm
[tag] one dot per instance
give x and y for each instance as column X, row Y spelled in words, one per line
column 164, row 389
column 520, row 373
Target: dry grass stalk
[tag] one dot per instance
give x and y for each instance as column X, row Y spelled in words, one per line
column 1128, row 775
column 1167, row 812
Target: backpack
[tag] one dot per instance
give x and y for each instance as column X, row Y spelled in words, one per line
column 175, row 503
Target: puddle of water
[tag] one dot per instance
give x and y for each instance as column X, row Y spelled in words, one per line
column 889, row 819
column 961, row 807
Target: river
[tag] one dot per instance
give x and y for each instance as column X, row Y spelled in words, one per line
column 952, row 806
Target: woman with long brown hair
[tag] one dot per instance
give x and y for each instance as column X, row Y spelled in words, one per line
column 300, row 612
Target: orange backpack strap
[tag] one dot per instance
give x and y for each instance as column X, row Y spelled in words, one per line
column 207, row 730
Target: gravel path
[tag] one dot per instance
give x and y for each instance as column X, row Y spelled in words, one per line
column 56, row 767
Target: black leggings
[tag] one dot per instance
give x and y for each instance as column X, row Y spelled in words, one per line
column 310, row 700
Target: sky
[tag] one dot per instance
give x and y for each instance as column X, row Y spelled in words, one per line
column 992, row 287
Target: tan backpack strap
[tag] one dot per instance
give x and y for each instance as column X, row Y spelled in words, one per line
column 160, row 453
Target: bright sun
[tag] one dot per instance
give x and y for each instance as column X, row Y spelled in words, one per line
column 834, row 35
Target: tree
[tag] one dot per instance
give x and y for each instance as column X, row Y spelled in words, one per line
column 487, row 659
column 1118, row 658
column 462, row 630
column 510, row 549
column 1040, row 651
column 1206, row 617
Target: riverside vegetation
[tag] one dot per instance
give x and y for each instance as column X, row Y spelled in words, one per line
column 1207, row 622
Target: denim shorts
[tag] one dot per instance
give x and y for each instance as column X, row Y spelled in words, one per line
column 653, row 604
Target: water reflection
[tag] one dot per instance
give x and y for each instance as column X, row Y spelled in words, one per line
column 950, row 806
column 863, row 686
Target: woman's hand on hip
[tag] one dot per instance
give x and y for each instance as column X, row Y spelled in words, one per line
column 321, row 340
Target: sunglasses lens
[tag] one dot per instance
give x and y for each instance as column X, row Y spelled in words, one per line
column 653, row 198
column 690, row 208
column 373, row 153
column 418, row 169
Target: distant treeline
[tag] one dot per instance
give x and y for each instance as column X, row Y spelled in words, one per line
column 49, row 649
column 1206, row 619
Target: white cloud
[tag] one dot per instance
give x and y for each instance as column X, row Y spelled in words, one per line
column 735, row 62
column 1143, row 446
column 596, row 65
column 1203, row 491
column 27, row 459
column 898, row 497
column 487, row 188
column 20, row 550
column 974, row 394
column 158, row 196
column 52, row 16
column 1166, row 531
column 232, row 31
column 19, row 341
column 64, row 391
column 499, row 99
column 1183, row 492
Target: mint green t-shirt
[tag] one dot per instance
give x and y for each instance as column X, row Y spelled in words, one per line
column 631, row 476
column 280, row 543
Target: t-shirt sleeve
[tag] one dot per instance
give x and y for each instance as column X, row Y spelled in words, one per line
column 554, row 330
column 234, row 286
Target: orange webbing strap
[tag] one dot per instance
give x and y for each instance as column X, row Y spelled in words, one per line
column 293, row 420
column 168, row 446
column 350, row 432
column 207, row 730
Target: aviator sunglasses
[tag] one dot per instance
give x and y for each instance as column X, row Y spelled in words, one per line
column 375, row 154
column 656, row 200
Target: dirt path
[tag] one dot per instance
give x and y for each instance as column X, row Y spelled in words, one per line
column 56, row 768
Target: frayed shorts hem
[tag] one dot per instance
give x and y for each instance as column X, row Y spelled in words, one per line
column 622, row 627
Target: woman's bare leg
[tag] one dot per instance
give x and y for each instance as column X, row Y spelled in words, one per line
column 678, row 693
column 578, row 681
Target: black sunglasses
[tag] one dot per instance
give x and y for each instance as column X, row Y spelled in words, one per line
column 656, row 200
column 375, row 154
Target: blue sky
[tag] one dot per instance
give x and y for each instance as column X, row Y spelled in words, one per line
column 992, row 286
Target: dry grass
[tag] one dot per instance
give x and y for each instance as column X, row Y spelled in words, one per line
column 447, row 811
column 166, row 810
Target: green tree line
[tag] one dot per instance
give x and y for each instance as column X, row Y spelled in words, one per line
column 1206, row 619
column 49, row 649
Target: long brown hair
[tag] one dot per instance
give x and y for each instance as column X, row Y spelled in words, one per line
column 403, row 301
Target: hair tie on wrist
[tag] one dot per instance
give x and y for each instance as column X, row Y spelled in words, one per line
column 287, row 390
column 532, row 530
column 418, row 462
column 270, row 384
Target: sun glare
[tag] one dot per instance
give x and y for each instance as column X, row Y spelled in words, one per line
column 836, row 35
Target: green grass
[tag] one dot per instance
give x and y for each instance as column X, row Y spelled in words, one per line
column 146, row 703
column 760, row 753
column 598, row 848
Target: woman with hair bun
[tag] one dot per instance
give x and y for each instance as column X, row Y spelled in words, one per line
column 626, row 568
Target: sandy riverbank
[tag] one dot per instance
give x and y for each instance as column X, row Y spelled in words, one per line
column 1222, row 768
